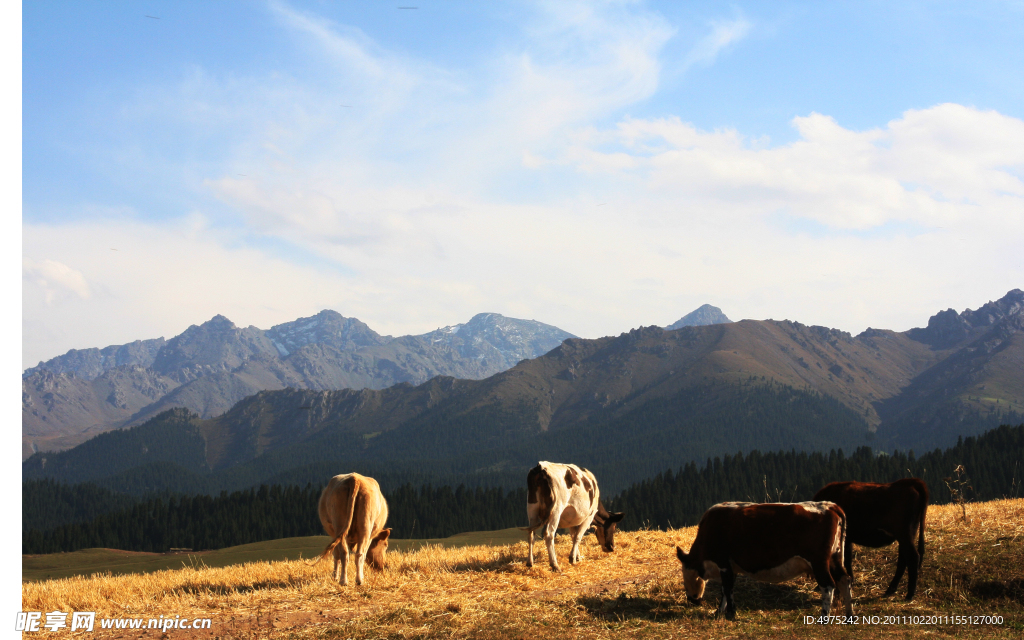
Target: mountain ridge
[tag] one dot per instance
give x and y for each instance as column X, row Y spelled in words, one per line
column 210, row 367
column 644, row 397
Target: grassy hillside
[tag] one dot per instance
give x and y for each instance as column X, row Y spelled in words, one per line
column 971, row 568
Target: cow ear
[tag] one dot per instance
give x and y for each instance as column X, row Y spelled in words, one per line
column 383, row 535
column 681, row 554
column 616, row 517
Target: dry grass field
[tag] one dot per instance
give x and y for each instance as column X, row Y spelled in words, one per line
column 89, row 561
column 971, row 568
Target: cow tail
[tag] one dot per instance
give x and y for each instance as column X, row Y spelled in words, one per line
column 327, row 551
column 842, row 539
column 546, row 479
column 920, row 530
column 351, row 506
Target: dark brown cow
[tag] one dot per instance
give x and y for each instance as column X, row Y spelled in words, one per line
column 566, row 496
column 880, row 514
column 771, row 543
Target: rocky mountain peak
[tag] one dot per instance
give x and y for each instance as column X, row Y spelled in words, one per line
column 327, row 327
column 218, row 323
column 703, row 315
column 215, row 345
column 1012, row 304
column 948, row 328
column 498, row 340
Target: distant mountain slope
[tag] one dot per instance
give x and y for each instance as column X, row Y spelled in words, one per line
column 616, row 404
column 210, row 367
column 703, row 315
column 646, row 397
column 978, row 385
column 60, row 410
column 91, row 363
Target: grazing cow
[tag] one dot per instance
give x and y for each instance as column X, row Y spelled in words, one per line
column 880, row 514
column 353, row 512
column 771, row 543
column 564, row 496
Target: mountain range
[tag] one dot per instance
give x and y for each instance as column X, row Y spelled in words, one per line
column 210, row 367
column 626, row 406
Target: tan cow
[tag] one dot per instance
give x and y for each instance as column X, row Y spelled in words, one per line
column 353, row 512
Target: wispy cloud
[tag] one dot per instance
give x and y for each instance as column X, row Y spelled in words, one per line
column 722, row 35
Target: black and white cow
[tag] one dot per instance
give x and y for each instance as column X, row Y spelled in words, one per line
column 771, row 543
column 564, row 496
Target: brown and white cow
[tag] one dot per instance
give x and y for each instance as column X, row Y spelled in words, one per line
column 564, row 496
column 880, row 514
column 771, row 543
column 353, row 512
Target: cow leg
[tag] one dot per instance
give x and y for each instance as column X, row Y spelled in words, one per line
column 529, row 561
column 913, row 563
column 549, row 540
column 573, row 550
column 844, row 588
column 360, row 561
column 901, row 566
column 848, row 558
column 577, row 537
column 843, row 582
column 728, row 604
column 341, row 555
column 335, row 555
column 823, row 574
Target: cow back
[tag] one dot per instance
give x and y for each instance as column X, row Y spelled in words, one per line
column 353, row 506
column 875, row 512
column 761, row 537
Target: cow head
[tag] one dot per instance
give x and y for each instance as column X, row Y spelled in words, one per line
column 693, row 580
column 604, row 528
column 378, row 545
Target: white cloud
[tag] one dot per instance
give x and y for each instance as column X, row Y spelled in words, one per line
column 437, row 195
column 722, row 35
column 936, row 167
column 54, row 279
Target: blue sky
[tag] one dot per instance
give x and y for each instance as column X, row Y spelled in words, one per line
column 597, row 166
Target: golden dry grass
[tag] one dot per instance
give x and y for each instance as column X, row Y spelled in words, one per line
column 488, row 592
